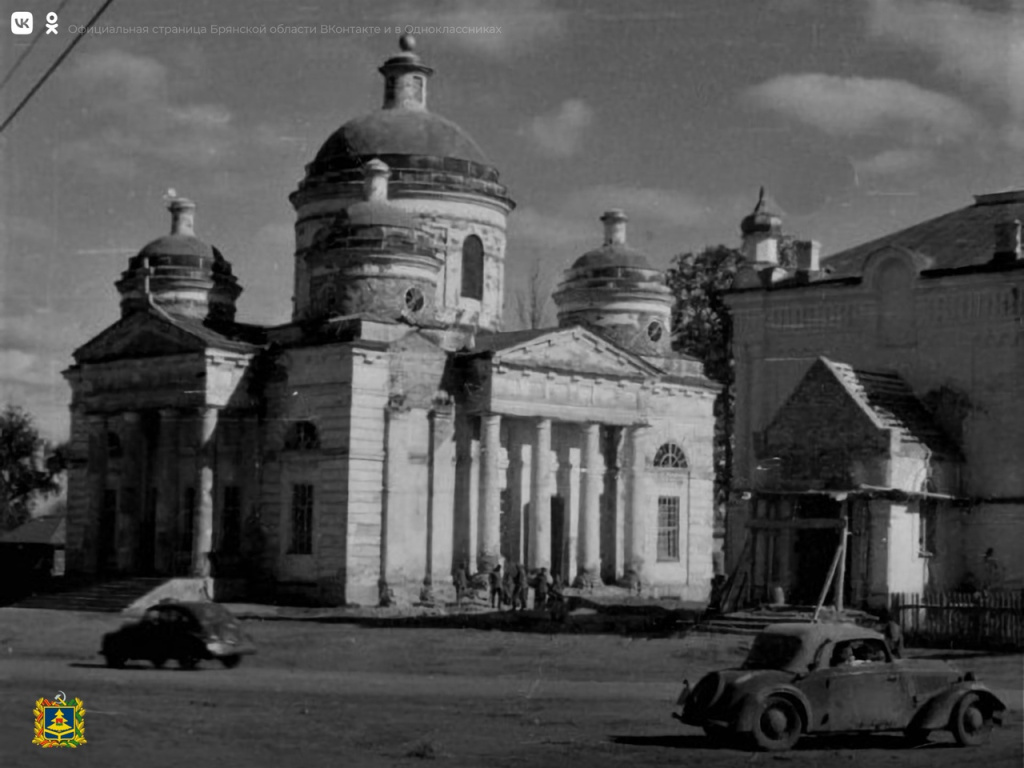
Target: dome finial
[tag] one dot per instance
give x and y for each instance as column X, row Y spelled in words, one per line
column 405, row 78
column 182, row 214
column 407, row 43
column 614, row 227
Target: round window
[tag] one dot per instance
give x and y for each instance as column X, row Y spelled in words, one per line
column 655, row 331
column 414, row 299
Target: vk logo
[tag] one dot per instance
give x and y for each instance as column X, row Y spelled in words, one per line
column 21, row 23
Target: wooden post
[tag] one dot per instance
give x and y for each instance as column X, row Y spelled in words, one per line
column 841, row 574
column 828, row 582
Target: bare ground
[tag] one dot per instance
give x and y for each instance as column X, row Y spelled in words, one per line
column 342, row 694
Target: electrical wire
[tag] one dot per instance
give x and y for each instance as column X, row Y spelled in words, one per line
column 53, row 67
column 29, row 47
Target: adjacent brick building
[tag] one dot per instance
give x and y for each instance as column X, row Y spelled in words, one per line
column 880, row 390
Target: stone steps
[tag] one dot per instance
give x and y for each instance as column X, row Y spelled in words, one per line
column 101, row 596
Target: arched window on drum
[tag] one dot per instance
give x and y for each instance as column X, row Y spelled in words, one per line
column 670, row 456
column 472, row 268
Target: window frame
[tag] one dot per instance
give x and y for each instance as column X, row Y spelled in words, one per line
column 670, row 456
column 471, row 283
column 669, row 529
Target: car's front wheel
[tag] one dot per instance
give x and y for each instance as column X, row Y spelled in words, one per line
column 188, row 661
column 717, row 735
column 972, row 721
column 777, row 725
column 231, row 661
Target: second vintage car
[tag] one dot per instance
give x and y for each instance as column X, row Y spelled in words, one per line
column 186, row 632
column 826, row 678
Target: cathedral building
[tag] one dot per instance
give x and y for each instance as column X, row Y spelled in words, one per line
column 878, row 398
column 392, row 430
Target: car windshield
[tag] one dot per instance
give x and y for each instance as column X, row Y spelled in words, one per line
column 773, row 652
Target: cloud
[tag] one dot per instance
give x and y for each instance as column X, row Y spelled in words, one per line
column 524, row 25
column 894, row 161
column 139, row 118
column 852, row 106
column 560, row 133
column 574, row 226
column 976, row 47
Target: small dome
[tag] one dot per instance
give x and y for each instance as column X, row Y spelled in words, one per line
column 762, row 218
column 612, row 256
column 180, row 272
column 615, row 252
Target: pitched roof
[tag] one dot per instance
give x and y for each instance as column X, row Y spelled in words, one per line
column 38, row 530
column 963, row 238
column 892, row 404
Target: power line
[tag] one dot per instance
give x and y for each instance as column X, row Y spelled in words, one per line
column 29, row 47
column 64, row 55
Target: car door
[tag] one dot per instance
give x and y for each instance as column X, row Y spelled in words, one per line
column 866, row 692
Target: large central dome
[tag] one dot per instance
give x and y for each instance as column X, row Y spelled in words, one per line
column 396, row 132
column 406, row 135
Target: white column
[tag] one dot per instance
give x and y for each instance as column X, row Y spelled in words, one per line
column 540, row 497
column 96, row 548
column 590, row 514
column 441, row 505
column 639, row 503
column 489, row 531
column 202, row 528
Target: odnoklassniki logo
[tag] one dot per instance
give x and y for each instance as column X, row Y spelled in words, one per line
column 59, row 723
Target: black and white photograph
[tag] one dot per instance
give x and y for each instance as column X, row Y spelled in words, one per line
column 512, row 383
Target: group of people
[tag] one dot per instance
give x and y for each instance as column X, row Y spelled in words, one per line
column 511, row 586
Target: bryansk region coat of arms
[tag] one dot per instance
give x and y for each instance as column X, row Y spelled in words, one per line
column 59, row 723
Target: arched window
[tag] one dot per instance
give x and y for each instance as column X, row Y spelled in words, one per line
column 473, row 268
column 302, row 436
column 114, row 450
column 670, row 456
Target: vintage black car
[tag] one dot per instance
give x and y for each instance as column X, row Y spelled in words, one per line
column 186, row 632
column 826, row 678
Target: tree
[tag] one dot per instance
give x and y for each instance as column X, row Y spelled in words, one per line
column 531, row 301
column 702, row 327
column 25, row 473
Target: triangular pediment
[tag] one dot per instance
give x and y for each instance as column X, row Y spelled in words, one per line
column 573, row 350
column 143, row 334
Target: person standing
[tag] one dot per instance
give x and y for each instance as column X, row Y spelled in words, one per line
column 461, row 580
column 520, row 585
column 494, row 580
column 540, row 593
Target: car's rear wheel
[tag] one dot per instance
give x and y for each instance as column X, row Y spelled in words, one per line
column 972, row 721
column 188, row 661
column 231, row 661
column 158, row 661
column 114, row 660
column 777, row 725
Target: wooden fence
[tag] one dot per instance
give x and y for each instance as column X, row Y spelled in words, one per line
column 961, row 619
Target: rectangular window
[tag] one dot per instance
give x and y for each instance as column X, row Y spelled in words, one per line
column 302, row 520
column 668, row 528
column 231, row 519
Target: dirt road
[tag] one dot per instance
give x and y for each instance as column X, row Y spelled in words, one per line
column 344, row 695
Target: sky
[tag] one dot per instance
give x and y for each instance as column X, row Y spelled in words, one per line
column 860, row 118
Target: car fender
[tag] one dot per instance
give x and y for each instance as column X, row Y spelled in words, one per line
column 750, row 706
column 936, row 713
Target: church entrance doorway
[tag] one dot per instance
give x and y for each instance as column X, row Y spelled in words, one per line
column 559, row 537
